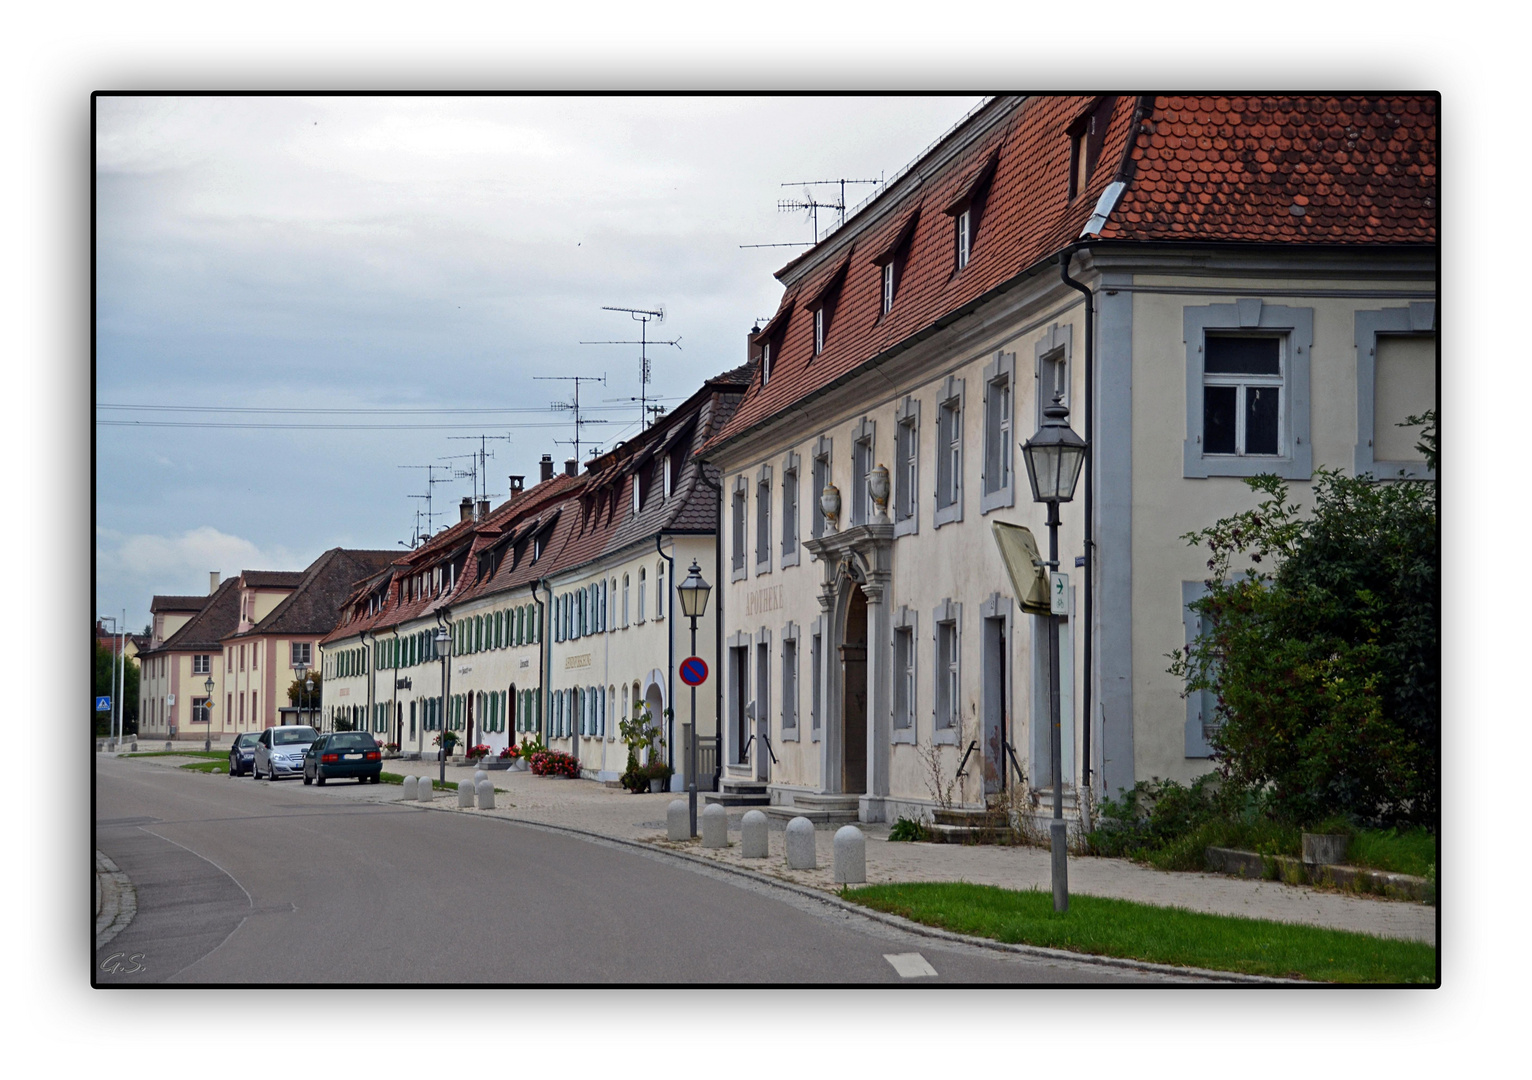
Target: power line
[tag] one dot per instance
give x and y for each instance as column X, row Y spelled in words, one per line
column 229, row 425
column 390, row 411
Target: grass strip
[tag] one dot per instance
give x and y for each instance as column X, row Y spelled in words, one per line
column 207, row 767
column 436, row 785
column 1104, row 926
column 214, row 755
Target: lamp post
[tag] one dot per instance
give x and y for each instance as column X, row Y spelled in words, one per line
column 111, row 686
column 442, row 640
column 308, row 690
column 1054, row 456
column 207, row 742
column 694, row 593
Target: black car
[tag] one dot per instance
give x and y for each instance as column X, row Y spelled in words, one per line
column 242, row 753
column 344, row 753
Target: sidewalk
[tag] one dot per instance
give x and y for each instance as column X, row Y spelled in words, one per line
column 590, row 807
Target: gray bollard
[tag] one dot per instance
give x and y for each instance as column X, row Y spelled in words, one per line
column 135, row 746
column 715, row 826
column 409, row 789
column 850, row 856
column 479, row 774
column 678, row 821
column 752, row 835
column 168, row 745
column 486, row 793
column 800, row 845
column 465, row 795
column 423, row 790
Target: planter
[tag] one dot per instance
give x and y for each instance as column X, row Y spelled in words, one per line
column 658, row 784
column 1325, row 849
column 498, row 765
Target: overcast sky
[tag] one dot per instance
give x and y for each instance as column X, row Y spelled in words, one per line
column 345, row 253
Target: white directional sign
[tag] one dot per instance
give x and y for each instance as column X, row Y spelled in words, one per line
column 1058, row 593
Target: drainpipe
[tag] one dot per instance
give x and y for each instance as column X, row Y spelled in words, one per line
column 670, row 649
column 371, row 671
column 1090, row 490
column 547, row 658
column 446, row 691
column 718, row 588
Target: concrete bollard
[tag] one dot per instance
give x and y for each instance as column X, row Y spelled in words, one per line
column 465, row 796
column 479, row 774
column 752, row 835
column 800, row 845
column 715, row 826
column 424, row 791
column 135, row 746
column 409, row 789
column 678, row 822
column 168, row 745
column 850, row 856
column 486, row 793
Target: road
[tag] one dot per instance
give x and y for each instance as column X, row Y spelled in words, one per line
column 245, row 882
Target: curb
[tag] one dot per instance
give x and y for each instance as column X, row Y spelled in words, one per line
column 116, row 900
column 898, row 921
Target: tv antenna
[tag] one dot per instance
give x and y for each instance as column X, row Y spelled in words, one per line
column 572, row 406
column 477, row 458
column 643, row 317
column 415, row 537
column 431, row 481
column 813, row 205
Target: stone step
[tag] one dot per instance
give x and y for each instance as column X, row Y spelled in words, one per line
column 737, row 792
column 821, row 808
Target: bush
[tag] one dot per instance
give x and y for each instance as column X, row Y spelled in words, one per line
column 554, row 763
column 1325, row 668
column 908, row 829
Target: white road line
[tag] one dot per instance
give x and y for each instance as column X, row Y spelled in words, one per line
column 910, row 965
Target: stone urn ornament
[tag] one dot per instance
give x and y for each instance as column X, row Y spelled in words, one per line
column 829, row 504
column 877, row 487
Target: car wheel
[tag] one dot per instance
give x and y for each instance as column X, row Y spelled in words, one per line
column 272, row 775
column 318, row 776
column 306, row 780
column 233, row 768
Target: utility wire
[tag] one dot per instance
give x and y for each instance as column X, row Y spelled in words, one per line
column 389, row 411
column 306, row 427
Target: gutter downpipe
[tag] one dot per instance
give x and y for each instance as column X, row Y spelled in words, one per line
column 446, row 692
column 371, row 675
column 717, row 630
column 670, row 646
column 1090, row 489
column 547, row 662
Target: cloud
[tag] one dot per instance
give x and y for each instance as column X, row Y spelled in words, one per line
column 132, row 567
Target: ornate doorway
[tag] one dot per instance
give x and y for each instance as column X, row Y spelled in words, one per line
column 853, row 727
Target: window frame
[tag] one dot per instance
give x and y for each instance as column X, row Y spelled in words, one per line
column 1295, row 326
column 1416, row 320
column 863, row 461
column 790, row 683
column 951, row 407
column 906, row 676
column 947, row 672
column 906, row 478
column 762, row 562
column 791, row 468
column 999, row 441
column 738, row 523
column 822, row 474
column 962, row 224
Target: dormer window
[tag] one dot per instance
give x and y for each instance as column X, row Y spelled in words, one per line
column 819, row 330
column 667, row 488
column 964, row 237
column 765, row 363
column 967, row 208
column 1085, row 138
column 888, row 287
column 890, row 261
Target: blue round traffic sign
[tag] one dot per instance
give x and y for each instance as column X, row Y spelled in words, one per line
column 694, row 671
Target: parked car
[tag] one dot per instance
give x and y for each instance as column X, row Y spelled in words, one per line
column 242, row 753
column 344, row 753
column 279, row 751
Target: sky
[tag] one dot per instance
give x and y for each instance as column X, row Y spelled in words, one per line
column 261, row 255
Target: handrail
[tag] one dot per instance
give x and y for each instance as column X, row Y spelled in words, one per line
column 767, row 740
column 971, row 748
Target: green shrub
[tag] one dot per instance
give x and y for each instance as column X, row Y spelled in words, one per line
column 908, row 829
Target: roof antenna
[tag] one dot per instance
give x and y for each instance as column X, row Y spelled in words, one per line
column 643, row 316
column 431, row 481
column 572, row 406
column 813, row 206
column 476, row 468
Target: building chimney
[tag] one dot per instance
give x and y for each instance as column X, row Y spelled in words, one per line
column 212, row 582
column 546, row 465
column 517, row 484
column 752, row 350
column 465, row 510
column 571, row 467
column 483, row 510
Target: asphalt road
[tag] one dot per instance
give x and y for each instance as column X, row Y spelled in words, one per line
column 242, row 882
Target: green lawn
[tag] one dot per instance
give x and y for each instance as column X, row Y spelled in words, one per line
column 436, row 785
column 214, row 755
column 1162, row 935
column 221, row 766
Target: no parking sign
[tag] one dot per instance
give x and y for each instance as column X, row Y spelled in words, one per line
column 694, row 671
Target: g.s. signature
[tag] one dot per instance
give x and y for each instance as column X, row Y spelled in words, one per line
column 123, row 964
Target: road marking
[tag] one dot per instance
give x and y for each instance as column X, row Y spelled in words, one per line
column 910, row 965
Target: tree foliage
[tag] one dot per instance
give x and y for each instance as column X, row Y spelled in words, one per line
column 1323, row 657
column 102, row 684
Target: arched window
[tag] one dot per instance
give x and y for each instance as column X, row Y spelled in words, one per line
column 659, row 591
column 625, row 601
column 642, row 578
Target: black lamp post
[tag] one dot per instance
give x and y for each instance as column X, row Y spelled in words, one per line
column 1054, row 457
column 308, row 690
column 693, row 593
column 442, row 641
column 207, row 714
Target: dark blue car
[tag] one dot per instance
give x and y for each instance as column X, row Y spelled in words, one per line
column 242, row 753
column 343, row 754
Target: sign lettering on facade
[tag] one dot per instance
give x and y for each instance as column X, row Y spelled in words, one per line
column 583, row 660
column 763, row 600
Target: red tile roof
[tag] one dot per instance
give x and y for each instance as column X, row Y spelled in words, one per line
column 1219, row 169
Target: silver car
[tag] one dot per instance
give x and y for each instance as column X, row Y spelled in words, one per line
column 279, row 751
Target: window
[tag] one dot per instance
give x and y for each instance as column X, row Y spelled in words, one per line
column 888, row 287
column 904, row 679
column 762, row 676
column 790, row 682
column 790, row 510
column 200, row 713
column 1052, row 370
column 1396, row 378
column 819, row 330
column 765, row 362
column 907, row 467
column 948, row 685
column 737, row 523
column 816, row 662
column 1248, row 390
column 1086, row 136
column 763, row 521
column 625, row 600
column 659, row 591
column 949, row 454
column 963, row 237
column 255, row 708
column 998, row 488
column 822, row 450
column 862, row 509
column 202, row 664
column 642, row 572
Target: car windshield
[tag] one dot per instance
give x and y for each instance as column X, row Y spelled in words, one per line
column 248, row 739
column 354, row 740
column 293, row 736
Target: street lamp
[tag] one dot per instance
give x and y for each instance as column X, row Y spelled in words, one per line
column 308, row 689
column 1054, row 457
column 694, row 593
column 207, row 713
column 442, row 639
